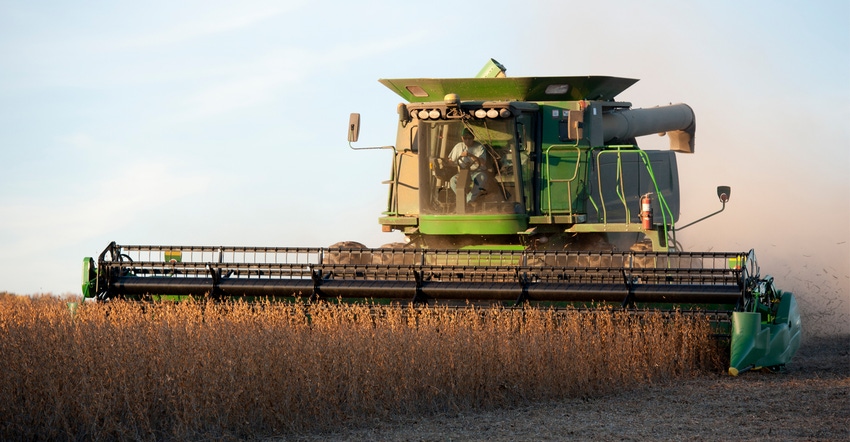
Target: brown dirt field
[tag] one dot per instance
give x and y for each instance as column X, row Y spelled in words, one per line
column 810, row 400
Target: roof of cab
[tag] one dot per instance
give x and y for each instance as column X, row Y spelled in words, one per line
column 420, row 90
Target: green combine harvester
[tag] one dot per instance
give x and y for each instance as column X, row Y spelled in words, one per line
column 510, row 191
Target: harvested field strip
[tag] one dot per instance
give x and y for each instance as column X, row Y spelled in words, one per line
column 195, row 370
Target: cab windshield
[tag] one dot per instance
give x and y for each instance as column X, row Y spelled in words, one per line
column 468, row 167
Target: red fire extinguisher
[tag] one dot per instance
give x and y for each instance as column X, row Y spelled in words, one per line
column 646, row 211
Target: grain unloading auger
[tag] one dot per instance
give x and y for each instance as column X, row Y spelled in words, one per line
column 507, row 190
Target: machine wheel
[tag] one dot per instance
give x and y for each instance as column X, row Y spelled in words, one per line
column 348, row 252
column 401, row 254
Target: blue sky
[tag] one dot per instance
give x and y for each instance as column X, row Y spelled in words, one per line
column 224, row 123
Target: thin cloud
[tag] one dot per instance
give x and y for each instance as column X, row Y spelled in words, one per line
column 216, row 23
column 270, row 76
column 135, row 190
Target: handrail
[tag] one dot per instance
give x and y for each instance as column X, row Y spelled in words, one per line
column 549, row 180
column 618, row 150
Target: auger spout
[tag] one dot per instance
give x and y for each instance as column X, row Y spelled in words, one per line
column 677, row 120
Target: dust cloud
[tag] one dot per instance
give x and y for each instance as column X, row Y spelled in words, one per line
column 800, row 234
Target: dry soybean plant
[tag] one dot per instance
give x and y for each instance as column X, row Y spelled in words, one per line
column 198, row 369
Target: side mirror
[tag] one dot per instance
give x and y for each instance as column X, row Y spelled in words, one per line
column 354, row 134
column 403, row 114
column 353, row 127
column 723, row 193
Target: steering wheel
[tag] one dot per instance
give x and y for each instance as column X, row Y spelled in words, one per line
column 468, row 162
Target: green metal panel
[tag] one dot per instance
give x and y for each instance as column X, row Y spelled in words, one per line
column 422, row 90
column 563, row 164
column 398, row 220
column 89, row 278
column 760, row 343
column 749, row 341
column 563, row 183
column 501, row 224
column 785, row 333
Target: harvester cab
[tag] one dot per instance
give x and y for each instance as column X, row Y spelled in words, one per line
column 509, row 191
column 557, row 166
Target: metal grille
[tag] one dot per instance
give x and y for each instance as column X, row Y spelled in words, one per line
column 712, row 268
column 411, row 273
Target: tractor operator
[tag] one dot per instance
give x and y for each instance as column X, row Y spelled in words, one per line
column 472, row 155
